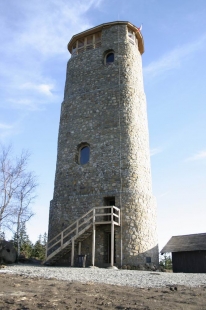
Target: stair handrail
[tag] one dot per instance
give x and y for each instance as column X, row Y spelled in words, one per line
column 76, row 230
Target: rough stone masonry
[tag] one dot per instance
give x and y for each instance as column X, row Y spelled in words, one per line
column 104, row 109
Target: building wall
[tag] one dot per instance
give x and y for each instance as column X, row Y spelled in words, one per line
column 189, row 262
column 105, row 106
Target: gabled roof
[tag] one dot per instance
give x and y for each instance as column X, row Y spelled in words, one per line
column 196, row 242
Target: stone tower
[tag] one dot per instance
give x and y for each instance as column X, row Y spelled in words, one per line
column 103, row 149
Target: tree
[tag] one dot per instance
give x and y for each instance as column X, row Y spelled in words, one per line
column 44, row 241
column 39, row 249
column 24, row 196
column 166, row 262
column 17, row 188
column 22, row 243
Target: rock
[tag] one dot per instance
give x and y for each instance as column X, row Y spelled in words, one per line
column 8, row 253
column 113, row 267
column 173, row 288
column 141, row 267
column 162, row 269
column 153, row 267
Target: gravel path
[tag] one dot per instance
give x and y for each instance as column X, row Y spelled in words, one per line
column 110, row 276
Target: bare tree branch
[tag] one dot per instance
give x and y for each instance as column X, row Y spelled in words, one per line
column 17, row 189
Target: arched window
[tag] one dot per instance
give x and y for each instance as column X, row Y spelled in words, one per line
column 109, row 58
column 84, row 154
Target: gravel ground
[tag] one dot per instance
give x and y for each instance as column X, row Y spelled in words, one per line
column 134, row 278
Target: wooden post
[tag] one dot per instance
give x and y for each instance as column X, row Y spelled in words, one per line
column 112, row 238
column 93, row 239
column 72, row 253
column 79, row 249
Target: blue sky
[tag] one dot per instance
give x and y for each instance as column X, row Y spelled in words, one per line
column 33, row 56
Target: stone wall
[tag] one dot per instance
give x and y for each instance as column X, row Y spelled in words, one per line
column 105, row 106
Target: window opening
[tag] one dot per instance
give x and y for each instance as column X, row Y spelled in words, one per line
column 74, row 48
column 109, row 58
column 84, row 155
column 87, row 43
column 132, row 36
column 80, row 43
column 90, row 39
column 97, row 37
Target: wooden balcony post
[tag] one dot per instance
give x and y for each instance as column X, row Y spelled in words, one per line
column 79, row 249
column 93, row 239
column 72, row 253
column 112, row 238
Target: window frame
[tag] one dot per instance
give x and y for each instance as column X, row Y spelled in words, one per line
column 106, row 55
column 85, row 46
column 80, row 147
column 132, row 36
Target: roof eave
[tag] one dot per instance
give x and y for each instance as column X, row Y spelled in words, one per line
column 100, row 27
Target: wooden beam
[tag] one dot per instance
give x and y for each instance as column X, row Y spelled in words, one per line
column 72, row 253
column 93, row 239
column 79, row 248
column 112, row 238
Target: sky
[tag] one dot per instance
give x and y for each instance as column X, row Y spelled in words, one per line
column 33, row 57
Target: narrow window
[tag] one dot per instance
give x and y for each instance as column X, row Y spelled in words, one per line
column 80, row 43
column 84, row 155
column 74, row 47
column 109, row 58
column 90, row 39
column 98, row 37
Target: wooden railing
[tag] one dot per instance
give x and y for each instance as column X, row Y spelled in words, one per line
column 87, row 47
column 96, row 216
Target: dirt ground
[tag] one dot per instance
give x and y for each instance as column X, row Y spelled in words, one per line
column 18, row 292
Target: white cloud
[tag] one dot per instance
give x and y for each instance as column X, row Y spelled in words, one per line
column 173, row 59
column 6, row 130
column 198, row 156
column 34, row 44
column 42, row 88
column 47, row 26
column 155, row 151
column 28, row 104
column 163, row 194
column 5, row 126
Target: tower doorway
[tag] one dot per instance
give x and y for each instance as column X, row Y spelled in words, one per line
column 108, row 201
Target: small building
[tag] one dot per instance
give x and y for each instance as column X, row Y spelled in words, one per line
column 188, row 253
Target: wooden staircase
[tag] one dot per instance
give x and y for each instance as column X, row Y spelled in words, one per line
column 81, row 229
